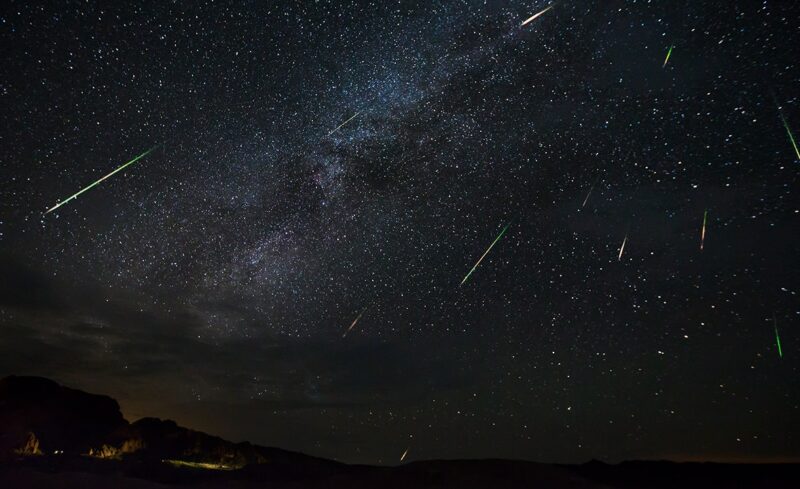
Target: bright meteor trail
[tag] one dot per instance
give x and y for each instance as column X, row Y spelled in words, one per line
column 791, row 136
column 74, row 196
column 622, row 248
column 534, row 16
column 668, row 55
column 486, row 252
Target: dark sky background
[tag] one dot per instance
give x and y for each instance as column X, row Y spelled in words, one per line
column 212, row 281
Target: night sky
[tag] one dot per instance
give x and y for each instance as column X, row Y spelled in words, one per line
column 213, row 280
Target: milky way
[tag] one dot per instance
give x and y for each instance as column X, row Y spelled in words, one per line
column 324, row 161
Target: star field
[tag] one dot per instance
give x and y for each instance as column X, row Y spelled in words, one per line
column 212, row 280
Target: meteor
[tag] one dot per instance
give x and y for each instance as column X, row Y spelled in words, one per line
column 534, row 16
column 591, row 189
column 403, row 456
column 486, row 252
column 354, row 322
column 74, row 196
column 587, row 197
column 622, row 248
column 343, row 123
column 791, row 136
column 777, row 338
column 703, row 231
column 668, row 55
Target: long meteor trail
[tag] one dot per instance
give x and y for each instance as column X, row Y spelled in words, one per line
column 791, row 136
column 343, row 123
column 486, row 252
column 534, row 16
column 622, row 248
column 74, row 196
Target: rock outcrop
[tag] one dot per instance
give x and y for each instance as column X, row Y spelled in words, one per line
column 38, row 415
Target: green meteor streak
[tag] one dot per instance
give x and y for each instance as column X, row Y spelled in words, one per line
column 668, row 55
column 791, row 136
column 74, row 196
column 486, row 252
column 778, row 338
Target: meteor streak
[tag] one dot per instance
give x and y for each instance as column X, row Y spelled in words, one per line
column 777, row 338
column 100, row 180
column 668, row 55
column 622, row 248
column 403, row 456
column 791, row 136
column 534, row 16
column 486, row 252
column 343, row 123
column 354, row 322
column 587, row 197
column 703, row 231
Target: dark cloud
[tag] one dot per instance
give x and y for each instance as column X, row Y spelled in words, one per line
column 22, row 286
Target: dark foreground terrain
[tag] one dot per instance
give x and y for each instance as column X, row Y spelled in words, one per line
column 52, row 436
column 50, row 471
